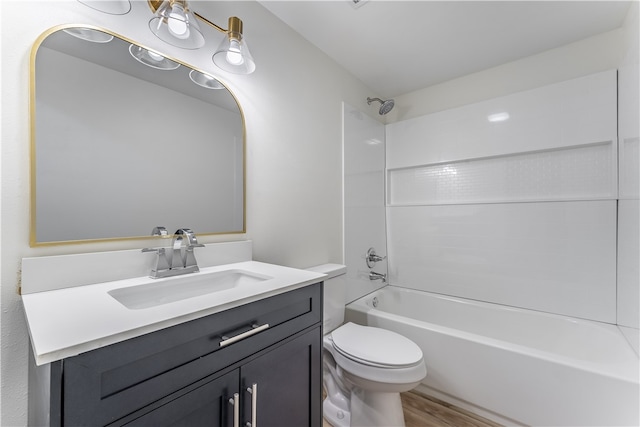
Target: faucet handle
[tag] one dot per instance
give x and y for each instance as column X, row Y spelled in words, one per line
column 159, row 231
column 372, row 258
column 161, row 260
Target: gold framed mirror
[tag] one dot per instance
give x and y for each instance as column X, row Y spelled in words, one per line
column 125, row 138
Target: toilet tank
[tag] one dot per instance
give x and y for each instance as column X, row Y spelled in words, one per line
column 335, row 294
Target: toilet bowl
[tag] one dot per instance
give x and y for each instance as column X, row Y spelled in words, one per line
column 373, row 366
column 364, row 368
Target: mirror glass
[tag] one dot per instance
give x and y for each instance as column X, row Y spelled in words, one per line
column 124, row 139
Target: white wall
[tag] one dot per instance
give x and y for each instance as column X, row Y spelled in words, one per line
column 293, row 110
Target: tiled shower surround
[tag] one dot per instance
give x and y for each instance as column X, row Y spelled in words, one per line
column 522, row 212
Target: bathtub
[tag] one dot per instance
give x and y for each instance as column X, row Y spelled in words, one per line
column 518, row 367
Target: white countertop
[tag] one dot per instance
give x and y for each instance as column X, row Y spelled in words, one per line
column 67, row 322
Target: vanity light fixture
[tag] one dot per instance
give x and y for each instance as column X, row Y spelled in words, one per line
column 205, row 80
column 152, row 59
column 89, row 34
column 233, row 54
column 175, row 23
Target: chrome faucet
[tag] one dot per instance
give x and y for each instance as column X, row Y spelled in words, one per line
column 377, row 276
column 179, row 259
column 184, row 240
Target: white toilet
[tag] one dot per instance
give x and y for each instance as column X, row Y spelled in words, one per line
column 364, row 368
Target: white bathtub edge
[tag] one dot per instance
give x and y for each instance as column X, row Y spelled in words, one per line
column 628, row 372
column 633, row 337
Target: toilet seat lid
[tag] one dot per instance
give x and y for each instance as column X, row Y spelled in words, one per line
column 375, row 346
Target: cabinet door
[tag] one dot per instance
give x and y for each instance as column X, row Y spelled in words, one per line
column 287, row 382
column 208, row 405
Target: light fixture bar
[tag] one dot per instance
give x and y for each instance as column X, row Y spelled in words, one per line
column 176, row 24
column 206, row 21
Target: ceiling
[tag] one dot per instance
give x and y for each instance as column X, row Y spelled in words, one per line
column 396, row 47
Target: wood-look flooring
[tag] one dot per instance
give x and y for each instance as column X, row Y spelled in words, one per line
column 426, row 411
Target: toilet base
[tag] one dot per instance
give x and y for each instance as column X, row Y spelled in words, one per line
column 371, row 408
column 336, row 416
column 366, row 409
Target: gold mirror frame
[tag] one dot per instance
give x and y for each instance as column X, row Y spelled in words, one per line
column 33, row 124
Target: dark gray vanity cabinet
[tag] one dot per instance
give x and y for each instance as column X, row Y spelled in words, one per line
column 206, row 405
column 196, row 373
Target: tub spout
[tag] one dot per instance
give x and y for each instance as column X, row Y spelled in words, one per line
column 377, row 276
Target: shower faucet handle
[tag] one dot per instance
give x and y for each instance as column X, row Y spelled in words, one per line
column 372, row 258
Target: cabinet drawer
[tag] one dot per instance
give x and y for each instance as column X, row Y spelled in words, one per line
column 108, row 383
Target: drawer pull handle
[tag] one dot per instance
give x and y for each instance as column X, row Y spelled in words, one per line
column 254, row 330
column 253, row 391
column 236, row 409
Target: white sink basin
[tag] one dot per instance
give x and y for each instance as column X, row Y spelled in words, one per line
column 164, row 291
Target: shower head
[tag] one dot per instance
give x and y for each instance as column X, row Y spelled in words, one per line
column 385, row 106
